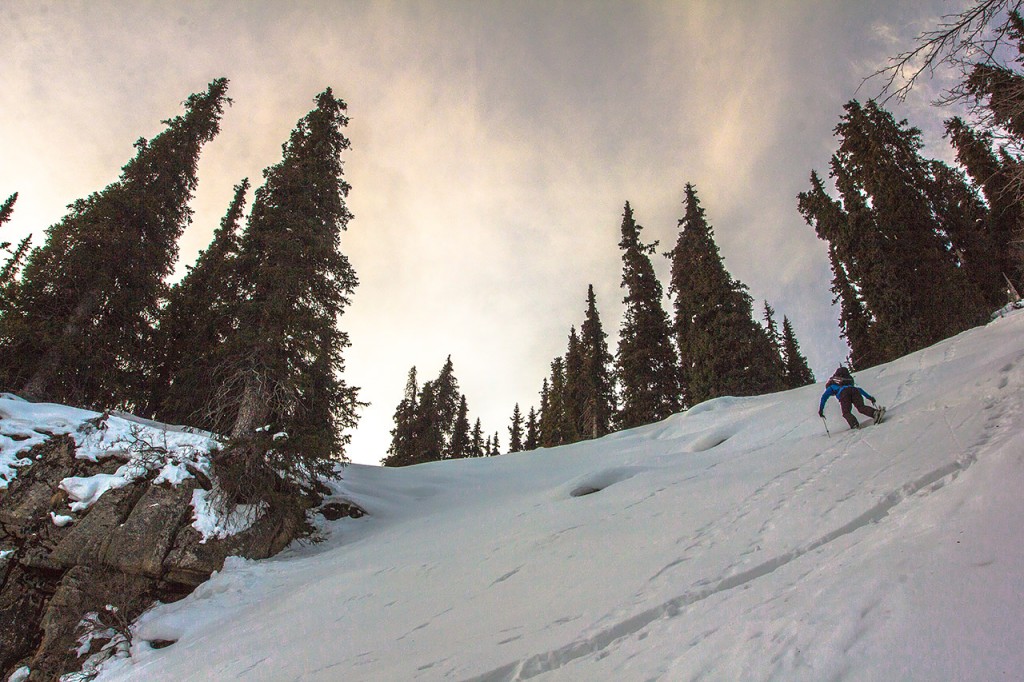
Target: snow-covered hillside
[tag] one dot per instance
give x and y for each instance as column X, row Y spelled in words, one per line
column 735, row 541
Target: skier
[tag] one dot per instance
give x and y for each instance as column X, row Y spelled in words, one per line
column 849, row 396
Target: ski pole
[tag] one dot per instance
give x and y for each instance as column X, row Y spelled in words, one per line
column 826, row 427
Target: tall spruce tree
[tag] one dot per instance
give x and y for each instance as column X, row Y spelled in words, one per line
column 996, row 178
column 552, row 419
column 646, row 363
column 596, row 384
column 81, row 328
column 476, row 440
column 798, row 372
column 285, row 360
column 573, row 391
column 515, row 431
column 200, row 316
column 461, row 441
column 723, row 350
column 9, row 281
column 402, row 451
column 532, row 439
column 887, row 236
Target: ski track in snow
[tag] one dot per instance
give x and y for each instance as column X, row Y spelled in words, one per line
column 936, row 479
column 736, row 493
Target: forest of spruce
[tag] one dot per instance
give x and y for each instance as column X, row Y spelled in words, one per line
column 249, row 343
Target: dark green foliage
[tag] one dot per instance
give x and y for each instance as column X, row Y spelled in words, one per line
column 81, row 329
column 995, row 177
column 476, row 441
column 461, row 444
column 552, row 419
column 495, row 449
column 433, row 424
column 999, row 86
column 283, row 364
column 797, row 373
column 723, row 350
column 9, row 275
column 200, row 316
column 515, row 431
column 573, row 391
column 892, row 239
column 593, row 387
column 646, row 363
column 532, row 439
column 6, row 209
column 403, row 436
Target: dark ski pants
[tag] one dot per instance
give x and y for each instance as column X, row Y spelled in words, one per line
column 850, row 398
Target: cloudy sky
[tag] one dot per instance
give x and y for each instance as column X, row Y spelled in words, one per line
column 494, row 144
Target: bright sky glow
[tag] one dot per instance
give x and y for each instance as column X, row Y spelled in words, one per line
column 494, row 145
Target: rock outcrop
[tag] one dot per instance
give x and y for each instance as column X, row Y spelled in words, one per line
column 133, row 546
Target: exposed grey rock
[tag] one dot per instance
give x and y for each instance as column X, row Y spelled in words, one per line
column 133, row 543
column 142, row 542
column 192, row 561
column 88, row 539
column 22, row 601
column 82, row 590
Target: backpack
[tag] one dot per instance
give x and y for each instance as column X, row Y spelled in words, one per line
column 841, row 377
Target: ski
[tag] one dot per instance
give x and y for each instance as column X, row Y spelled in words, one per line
column 879, row 414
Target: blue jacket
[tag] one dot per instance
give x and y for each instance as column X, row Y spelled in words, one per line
column 835, row 389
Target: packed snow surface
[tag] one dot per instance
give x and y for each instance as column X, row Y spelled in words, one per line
column 736, row 541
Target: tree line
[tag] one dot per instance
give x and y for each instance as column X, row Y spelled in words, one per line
column 712, row 346
column 246, row 344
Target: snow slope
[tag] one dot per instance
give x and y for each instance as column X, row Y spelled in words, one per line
column 734, row 541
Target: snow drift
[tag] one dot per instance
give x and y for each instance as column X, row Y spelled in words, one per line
column 734, row 541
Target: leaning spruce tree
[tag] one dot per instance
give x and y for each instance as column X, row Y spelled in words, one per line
column 888, row 237
column 285, row 360
column 80, row 330
column 646, row 363
column 199, row 318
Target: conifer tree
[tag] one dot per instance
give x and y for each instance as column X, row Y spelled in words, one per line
column 597, row 387
column 495, row 446
column 285, row 359
column 461, row 442
column 775, row 339
column 887, row 236
column 723, row 350
column 402, row 452
column 477, row 443
column 798, row 373
column 532, row 440
column 6, row 209
column 9, row 275
column 199, row 318
column 573, row 393
column 646, row 364
column 488, row 447
column 552, row 418
column 515, row 431
column 82, row 325
column 996, row 178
